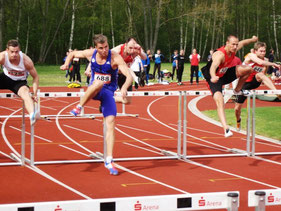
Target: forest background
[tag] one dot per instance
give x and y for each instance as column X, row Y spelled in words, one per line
column 46, row 29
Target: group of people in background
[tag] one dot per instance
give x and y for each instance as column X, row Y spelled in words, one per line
column 73, row 72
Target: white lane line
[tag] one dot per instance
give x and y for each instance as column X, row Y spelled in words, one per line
column 267, row 160
column 205, row 131
column 145, row 131
column 9, row 109
column 73, row 150
column 84, row 131
column 149, row 150
column 220, row 147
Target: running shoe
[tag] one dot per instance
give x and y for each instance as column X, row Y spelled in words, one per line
column 242, row 92
column 34, row 117
column 238, row 125
column 76, row 111
column 110, row 166
column 228, row 133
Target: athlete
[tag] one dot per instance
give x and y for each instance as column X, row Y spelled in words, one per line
column 129, row 51
column 219, row 71
column 260, row 64
column 104, row 69
column 16, row 68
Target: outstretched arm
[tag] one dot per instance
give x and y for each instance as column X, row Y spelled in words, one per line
column 259, row 61
column 77, row 54
column 31, row 69
column 217, row 60
column 245, row 42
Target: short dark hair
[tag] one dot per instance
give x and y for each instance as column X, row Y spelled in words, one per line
column 99, row 38
column 129, row 39
column 230, row 36
column 13, row 43
column 259, row 45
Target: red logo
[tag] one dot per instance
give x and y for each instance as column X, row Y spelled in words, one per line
column 270, row 198
column 202, row 202
column 137, row 206
column 58, row 208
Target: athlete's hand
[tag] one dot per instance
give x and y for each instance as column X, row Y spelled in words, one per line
column 87, row 72
column 215, row 79
column 123, row 92
column 277, row 66
column 64, row 67
column 255, row 38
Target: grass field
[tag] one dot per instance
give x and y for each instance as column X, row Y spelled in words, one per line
column 268, row 120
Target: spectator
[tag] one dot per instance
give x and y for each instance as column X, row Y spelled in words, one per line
column 137, row 67
column 180, row 68
column 146, row 64
column 158, row 58
column 210, row 55
column 194, row 60
column 270, row 59
column 174, row 62
column 76, row 69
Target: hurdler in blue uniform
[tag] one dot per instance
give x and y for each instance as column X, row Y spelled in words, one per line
column 104, row 69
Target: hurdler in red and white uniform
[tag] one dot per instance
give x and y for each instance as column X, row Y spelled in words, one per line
column 15, row 72
column 259, row 64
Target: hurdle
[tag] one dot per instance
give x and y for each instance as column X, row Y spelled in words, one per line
column 262, row 198
column 182, row 124
column 195, row 201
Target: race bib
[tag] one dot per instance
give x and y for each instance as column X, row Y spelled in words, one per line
column 106, row 78
column 16, row 73
column 258, row 69
column 223, row 70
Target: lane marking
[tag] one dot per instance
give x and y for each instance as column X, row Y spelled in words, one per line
column 138, row 184
column 133, row 145
column 224, row 179
column 84, row 131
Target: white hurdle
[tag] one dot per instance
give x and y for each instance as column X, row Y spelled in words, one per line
column 262, row 198
column 196, row 201
column 182, row 125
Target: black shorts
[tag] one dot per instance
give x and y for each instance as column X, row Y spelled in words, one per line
column 121, row 81
column 228, row 77
column 8, row 83
column 248, row 86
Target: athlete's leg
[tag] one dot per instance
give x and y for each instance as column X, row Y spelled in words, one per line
column 24, row 93
column 242, row 72
column 110, row 134
column 218, row 98
column 91, row 92
column 263, row 78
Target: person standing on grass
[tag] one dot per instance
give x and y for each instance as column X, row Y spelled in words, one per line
column 180, row 66
column 260, row 64
column 158, row 58
column 174, row 63
column 16, row 68
column 219, row 72
column 194, row 60
column 105, row 65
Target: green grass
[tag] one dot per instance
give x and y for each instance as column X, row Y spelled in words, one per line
column 268, row 120
column 51, row 75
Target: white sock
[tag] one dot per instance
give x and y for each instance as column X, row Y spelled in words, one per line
column 108, row 159
column 30, row 115
column 79, row 106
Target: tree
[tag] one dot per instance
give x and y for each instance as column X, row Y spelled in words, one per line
column 1, row 23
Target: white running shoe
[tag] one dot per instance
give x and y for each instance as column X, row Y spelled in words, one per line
column 243, row 92
column 34, row 117
column 228, row 133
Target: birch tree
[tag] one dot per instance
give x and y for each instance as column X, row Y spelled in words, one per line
column 72, row 25
column 111, row 23
column 274, row 27
column 1, row 24
column 19, row 18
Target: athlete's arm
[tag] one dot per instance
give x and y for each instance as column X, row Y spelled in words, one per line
column 217, row 60
column 122, row 66
column 31, row 69
column 117, row 49
column 140, row 51
column 253, row 57
column 2, row 57
column 77, row 54
column 245, row 42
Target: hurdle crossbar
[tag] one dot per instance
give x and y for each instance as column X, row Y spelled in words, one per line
column 262, row 198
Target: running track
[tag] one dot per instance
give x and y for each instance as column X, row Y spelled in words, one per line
column 155, row 129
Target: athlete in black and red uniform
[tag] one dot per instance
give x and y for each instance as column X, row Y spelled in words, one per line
column 219, row 71
column 259, row 63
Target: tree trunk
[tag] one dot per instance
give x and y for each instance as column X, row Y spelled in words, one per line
column 27, row 34
column 111, row 24
column 19, row 18
column 181, row 25
column 274, row 28
column 193, row 27
column 56, row 32
column 185, row 36
column 145, row 25
column 1, row 24
column 214, row 26
column 150, row 25
column 72, row 25
column 130, row 18
column 258, row 22
column 157, row 25
column 206, row 39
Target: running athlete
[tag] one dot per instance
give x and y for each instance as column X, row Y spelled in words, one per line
column 219, row 71
column 128, row 51
column 16, row 68
column 104, row 69
column 260, row 64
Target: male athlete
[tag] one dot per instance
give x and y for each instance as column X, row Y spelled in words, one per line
column 129, row 51
column 104, row 66
column 260, row 64
column 16, row 68
column 219, row 71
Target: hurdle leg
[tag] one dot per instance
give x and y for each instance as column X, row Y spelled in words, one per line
column 248, row 124
column 104, row 140
column 184, row 125
column 233, row 201
column 253, row 124
column 23, row 136
column 123, row 108
column 261, row 201
column 179, row 123
column 82, row 110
